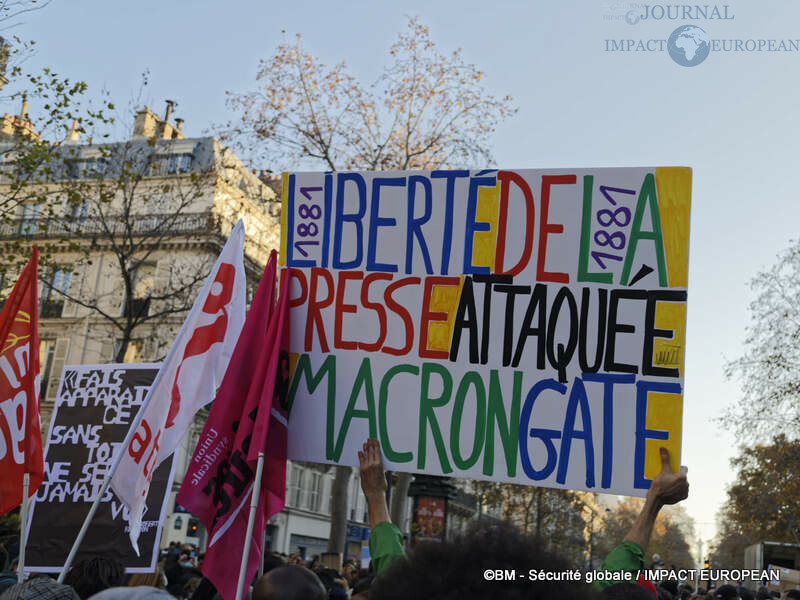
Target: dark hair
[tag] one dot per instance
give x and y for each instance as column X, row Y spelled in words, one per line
column 793, row 594
column 455, row 569
column 92, row 575
column 272, row 561
column 625, row 590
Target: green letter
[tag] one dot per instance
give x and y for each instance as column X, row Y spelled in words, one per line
column 474, row 379
column 586, row 230
column 426, row 414
column 383, row 399
column 312, row 381
column 646, row 195
column 363, row 379
column 508, row 430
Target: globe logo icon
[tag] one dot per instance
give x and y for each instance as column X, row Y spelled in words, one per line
column 688, row 45
column 632, row 17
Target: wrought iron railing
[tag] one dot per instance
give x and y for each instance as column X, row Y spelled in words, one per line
column 89, row 227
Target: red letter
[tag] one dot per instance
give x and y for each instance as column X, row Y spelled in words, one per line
column 314, row 306
column 377, row 307
column 546, row 228
column 403, row 314
column 342, row 308
column 301, row 278
column 505, row 178
column 143, row 443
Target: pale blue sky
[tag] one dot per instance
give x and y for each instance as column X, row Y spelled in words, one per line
column 733, row 119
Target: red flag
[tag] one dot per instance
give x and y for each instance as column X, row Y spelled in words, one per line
column 250, row 404
column 20, row 432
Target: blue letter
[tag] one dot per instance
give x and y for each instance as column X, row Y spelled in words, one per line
column 375, row 221
column 354, row 218
column 546, row 435
column 415, row 225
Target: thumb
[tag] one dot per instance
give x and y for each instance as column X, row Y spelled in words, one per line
column 665, row 460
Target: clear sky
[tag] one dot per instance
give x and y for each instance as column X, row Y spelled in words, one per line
column 733, row 119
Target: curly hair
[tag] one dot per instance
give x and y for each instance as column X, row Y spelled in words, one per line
column 456, row 570
column 95, row 574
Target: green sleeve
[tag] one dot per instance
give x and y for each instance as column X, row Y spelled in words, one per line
column 628, row 556
column 385, row 546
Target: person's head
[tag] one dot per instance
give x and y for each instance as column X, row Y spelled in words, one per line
column 746, row 594
column 726, row 592
column 289, row 582
column 40, row 587
column 156, row 579
column 142, row 592
column 626, row 590
column 793, row 594
column 92, row 575
column 459, row 568
column 272, row 561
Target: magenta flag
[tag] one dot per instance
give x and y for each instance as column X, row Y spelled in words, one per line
column 249, row 415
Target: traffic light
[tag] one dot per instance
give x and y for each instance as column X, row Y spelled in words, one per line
column 191, row 530
column 706, row 564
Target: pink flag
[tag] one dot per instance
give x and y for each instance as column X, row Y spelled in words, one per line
column 187, row 380
column 248, row 416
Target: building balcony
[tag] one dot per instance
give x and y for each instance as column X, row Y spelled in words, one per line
column 51, row 309
column 92, row 227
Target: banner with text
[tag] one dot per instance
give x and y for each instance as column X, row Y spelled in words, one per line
column 93, row 411
column 523, row 326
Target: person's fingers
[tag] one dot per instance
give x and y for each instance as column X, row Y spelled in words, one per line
column 361, row 458
column 665, row 460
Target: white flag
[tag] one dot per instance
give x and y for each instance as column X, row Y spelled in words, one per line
column 188, row 378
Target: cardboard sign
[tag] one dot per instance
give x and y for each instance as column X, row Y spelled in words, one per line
column 93, row 412
column 521, row 326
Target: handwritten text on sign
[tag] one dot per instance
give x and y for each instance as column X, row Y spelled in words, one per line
column 523, row 326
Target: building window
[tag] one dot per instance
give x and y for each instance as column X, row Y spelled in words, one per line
column 30, row 216
column 185, row 163
column 296, row 480
column 47, row 349
column 78, row 212
column 315, row 492
column 51, row 303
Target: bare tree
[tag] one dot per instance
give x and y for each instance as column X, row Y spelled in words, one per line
column 140, row 199
column 769, row 370
column 428, row 110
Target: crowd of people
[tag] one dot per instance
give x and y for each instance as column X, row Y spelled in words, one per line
column 455, row 569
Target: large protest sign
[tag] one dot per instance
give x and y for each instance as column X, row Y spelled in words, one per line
column 522, row 326
column 93, row 411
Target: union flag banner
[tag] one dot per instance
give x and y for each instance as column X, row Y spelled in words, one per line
column 188, row 378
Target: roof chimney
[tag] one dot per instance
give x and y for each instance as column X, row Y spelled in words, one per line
column 23, row 113
column 170, row 106
column 73, row 134
column 178, row 124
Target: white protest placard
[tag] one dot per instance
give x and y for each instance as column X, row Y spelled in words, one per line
column 524, row 326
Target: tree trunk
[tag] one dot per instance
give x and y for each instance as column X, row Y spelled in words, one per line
column 400, row 501
column 339, row 508
column 539, row 514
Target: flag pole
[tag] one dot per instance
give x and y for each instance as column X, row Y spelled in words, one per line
column 26, row 483
column 249, row 535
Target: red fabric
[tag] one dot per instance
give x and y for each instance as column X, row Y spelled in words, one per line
column 647, row 584
column 248, row 416
column 20, row 431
